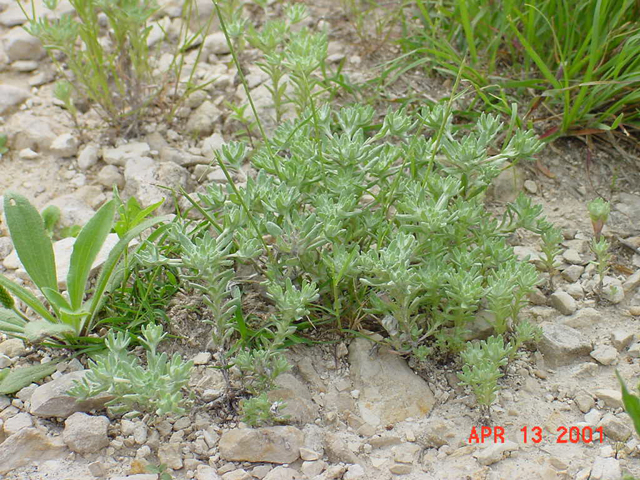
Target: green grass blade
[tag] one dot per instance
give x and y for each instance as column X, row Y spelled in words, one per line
column 631, row 404
column 86, row 249
column 30, row 240
column 112, row 261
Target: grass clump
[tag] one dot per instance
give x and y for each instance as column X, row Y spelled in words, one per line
column 114, row 73
column 586, row 75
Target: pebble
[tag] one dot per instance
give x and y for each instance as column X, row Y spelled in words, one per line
column 622, row 338
column 584, row 401
column 561, row 344
column 605, row 354
column 615, row 428
column 531, row 186
column 495, row 452
column 563, row 302
column 611, row 398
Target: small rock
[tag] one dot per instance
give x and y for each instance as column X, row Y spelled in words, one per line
column 13, row 347
column 11, row 96
column 400, row 469
column 73, row 211
column 531, row 186
column 354, row 472
column 26, row 446
column 614, row 428
column 561, row 344
column 17, row 422
column 573, row 273
column 583, row 318
column 88, row 157
column 120, row 155
column 85, row 433
column 593, row 417
column 296, row 395
column 216, row 43
column 269, row 444
column 21, row 45
column 584, row 401
column 282, row 473
column 110, row 175
column 575, row 290
column 202, row 358
column 91, row 195
column 51, row 400
column 313, row 468
column 563, row 302
column 390, row 391
column 612, row 290
column 405, row 453
column 611, row 398
column 237, row 474
column 308, row 454
column 203, row 119
column 634, row 350
column 621, row 338
column 605, row 469
column 139, row 476
column 24, row 66
column 211, row 144
column 205, row 472
column 196, row 98
column 65, row 145
column 572, row 256
column 28, row 154
column 170, row 454
column 337, row 450
column 632, row 282
column 506, row 186
column 605, row 354
column 494, row 453
column 143, row 176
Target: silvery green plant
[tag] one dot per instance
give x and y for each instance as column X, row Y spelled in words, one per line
column 65, row 316
column 383, row 225
column 156, row 388
column 115, row 73
column 481, row 369
column 291, row 59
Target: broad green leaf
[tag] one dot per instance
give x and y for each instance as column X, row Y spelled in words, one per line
column 38, row 330
column 11, row 322
column 631, row 404
column 86, row 249
column 27, row 297
column 19, row 378
column 30, row 240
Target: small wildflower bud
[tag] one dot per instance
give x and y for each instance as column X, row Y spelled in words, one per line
column 599, row 213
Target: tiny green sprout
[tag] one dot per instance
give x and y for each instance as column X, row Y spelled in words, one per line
column 599, row 210
column 600, row 248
